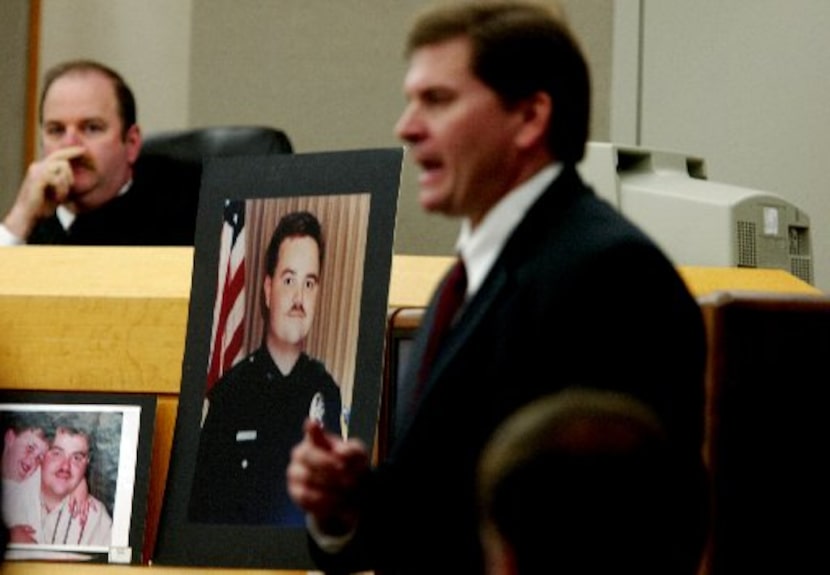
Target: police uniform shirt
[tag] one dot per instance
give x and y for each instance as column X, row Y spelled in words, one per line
column 255, row 418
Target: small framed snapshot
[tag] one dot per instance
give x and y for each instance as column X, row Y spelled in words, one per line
column 286, row 322
column 76, row 474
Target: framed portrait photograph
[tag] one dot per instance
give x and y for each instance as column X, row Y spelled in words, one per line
column 286, row 322
column 76, row 475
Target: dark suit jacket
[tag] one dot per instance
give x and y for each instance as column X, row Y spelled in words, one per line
column 159, row 209
column 579, row 296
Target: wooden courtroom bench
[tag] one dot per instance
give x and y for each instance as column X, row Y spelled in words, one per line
column 114, row 320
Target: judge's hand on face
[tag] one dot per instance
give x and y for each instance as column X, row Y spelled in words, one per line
column 47, row 185
column 325, row 476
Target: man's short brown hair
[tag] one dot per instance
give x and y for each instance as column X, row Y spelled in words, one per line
column 519, row 49
column 123, row 94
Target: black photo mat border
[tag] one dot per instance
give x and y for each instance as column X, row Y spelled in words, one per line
column 37, row 401
column 375, row 172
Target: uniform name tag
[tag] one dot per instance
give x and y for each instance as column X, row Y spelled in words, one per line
column 246, row 435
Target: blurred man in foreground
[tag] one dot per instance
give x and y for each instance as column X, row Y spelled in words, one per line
column 558, row 289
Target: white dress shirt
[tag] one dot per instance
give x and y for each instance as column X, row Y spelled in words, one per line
column 479, row 249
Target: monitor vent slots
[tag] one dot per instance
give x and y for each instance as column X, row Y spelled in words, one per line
column 747, row 252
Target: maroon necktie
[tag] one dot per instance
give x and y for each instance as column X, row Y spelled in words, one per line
column 449, row 302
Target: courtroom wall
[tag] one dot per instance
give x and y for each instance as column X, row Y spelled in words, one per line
column 745, row 84
column 14, row 22
column 328, row 73
column 742, row 84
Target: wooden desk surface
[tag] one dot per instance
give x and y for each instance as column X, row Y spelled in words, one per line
column 165, row 272
column 69, row 271
column 115, row 318
column 705, row 281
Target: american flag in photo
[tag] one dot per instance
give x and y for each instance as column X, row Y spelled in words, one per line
column 229, row 311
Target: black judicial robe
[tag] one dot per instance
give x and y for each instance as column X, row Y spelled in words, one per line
column 159, row 209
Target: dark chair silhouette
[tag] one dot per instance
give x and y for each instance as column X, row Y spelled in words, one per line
column 194, row 144
column 170, row 166
column 769, row 363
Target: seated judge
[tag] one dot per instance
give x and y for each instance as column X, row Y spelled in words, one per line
column 587, row 482
column 86, row 190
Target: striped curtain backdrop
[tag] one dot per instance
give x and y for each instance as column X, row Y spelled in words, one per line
column 334, row 332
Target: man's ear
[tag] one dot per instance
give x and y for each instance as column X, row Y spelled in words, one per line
column 132, row 141
column 536, row 113
column 266, row 289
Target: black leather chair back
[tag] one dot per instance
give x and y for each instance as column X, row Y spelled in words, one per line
column 766, row 431
column 168, row 173
column 194, row 144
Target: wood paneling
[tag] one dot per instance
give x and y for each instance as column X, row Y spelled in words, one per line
column 114, row 320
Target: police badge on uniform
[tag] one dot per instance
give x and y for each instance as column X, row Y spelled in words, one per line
column 317, row 408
